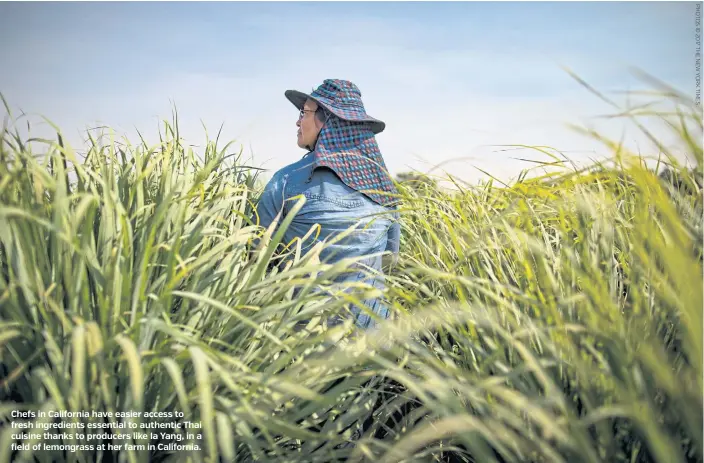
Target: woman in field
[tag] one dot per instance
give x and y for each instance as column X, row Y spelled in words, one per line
column 345, row 183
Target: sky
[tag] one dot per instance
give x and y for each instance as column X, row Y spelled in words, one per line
column 455, row 82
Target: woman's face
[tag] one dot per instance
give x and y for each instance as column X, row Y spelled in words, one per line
column 308, row 125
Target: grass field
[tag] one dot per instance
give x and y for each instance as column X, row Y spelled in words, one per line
column 553, row 319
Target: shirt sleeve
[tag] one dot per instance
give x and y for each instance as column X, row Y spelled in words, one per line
column 393, row 241
column 270, row 202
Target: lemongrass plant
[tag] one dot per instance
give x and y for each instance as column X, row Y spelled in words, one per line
column 554, row 319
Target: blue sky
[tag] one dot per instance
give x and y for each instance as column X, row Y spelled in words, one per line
column 451, row 80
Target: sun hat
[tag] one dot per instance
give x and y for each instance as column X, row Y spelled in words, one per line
column 347, row 144
column 340, row 97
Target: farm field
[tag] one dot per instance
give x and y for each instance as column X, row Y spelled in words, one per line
column 554, row 319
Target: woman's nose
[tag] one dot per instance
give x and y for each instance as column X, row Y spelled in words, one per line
column 298, row 123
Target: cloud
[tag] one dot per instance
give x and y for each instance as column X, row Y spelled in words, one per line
column 440, row 103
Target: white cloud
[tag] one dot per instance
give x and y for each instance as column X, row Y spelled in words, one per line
column 438, row 105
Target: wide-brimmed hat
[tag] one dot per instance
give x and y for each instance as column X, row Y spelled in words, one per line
column 340, row 97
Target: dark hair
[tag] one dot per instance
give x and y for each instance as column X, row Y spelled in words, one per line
column 320, row 113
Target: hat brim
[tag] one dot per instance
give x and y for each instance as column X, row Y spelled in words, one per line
column 298, row 99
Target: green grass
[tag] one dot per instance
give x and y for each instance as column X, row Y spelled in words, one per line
column 553, row 319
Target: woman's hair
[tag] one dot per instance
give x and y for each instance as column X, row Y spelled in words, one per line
column 321, row 113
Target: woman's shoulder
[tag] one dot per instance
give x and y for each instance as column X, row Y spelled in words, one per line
column 299, row 167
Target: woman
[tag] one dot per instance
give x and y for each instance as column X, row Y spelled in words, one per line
column 345, row 182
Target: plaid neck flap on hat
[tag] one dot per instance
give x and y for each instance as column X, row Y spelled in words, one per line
column 350, row 149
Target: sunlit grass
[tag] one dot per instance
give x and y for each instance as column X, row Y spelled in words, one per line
column 554, row 319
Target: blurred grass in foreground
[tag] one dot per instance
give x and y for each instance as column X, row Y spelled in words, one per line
column 556, row 319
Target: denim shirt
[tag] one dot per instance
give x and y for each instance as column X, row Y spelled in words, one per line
column 335, row 207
